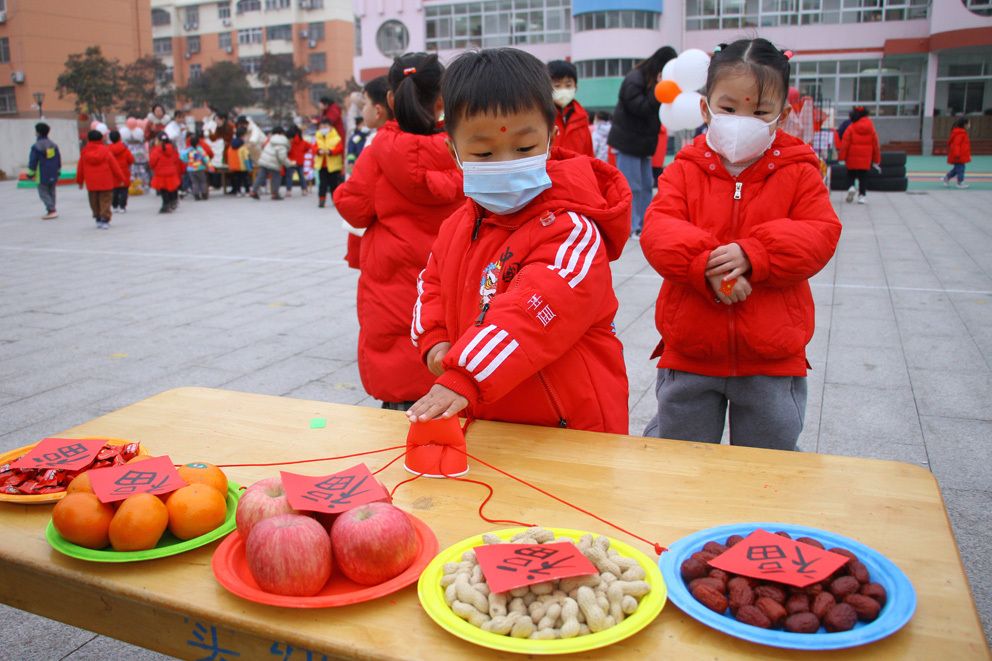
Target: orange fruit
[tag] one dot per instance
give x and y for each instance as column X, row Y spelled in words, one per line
column 82, row 519
column 80, row 484
column 140, row 457
column 202, row 473
column 195, row 510
column 139, row 523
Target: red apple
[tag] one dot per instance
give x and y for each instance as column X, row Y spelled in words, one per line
column 266, row 498
column 289, row 554
column 327, row 519
column 374, row 543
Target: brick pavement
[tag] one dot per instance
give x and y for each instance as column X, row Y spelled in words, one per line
column 254, row 296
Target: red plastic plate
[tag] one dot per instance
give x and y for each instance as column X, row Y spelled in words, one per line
column 230, row 567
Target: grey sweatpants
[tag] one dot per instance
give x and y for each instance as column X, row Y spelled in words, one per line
column 47, row 194
column 765, row 411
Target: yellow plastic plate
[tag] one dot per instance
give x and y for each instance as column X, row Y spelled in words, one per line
column 55, row 496
column 432, row 599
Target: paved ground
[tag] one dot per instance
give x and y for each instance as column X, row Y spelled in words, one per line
column 253, row 296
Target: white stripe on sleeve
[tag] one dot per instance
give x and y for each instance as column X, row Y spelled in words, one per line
column 480, row 336
column 590, row 257
column 497, row 361
column 486, row 350
column 563, row 249
column 579, row 249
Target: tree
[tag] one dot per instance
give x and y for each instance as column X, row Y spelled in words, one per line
column 92, row 79
column 143, row 84
column 221, row 86
column 282, row 82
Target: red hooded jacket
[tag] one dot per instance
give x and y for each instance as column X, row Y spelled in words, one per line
column 779, row 212
column 167, row 167
column 124, row 159
column 526, row 301
column 98, row 168
column 574, row 134
column 859, row 147
column 400, row 190
column 958, row 146
column 298, row 148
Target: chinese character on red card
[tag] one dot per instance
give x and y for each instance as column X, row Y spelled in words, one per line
column 155, row 476
column 68, row 454
column 509, row 566
column 335, row 493
column 779, row 559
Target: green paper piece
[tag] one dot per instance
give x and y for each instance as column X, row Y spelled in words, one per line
column 318, row 423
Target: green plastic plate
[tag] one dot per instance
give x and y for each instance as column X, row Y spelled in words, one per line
column 168, row 545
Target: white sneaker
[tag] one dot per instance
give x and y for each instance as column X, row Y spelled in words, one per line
column 862, row 200
column 962, row 185
column 851, row 192
column 946, row 182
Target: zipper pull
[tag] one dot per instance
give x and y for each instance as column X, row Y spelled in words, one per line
column 482, row 315
column 562, row 423
column 478, row 224
column 737, row 189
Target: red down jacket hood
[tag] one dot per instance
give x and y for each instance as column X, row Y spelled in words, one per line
column 859, row 148
column 778, row 211
column 527, row 302
column 98, row 168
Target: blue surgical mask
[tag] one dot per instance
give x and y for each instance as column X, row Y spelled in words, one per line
column 505, row 187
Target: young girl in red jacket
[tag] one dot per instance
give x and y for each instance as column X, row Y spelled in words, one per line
column 516, row 306
column 958, row 152
column 860, row 151
column 167, row 171
column 741, row 221
column 400, row 190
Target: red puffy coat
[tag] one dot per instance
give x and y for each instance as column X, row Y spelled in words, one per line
column 859, row 147
column 779, row 212
column 527, row 302
column 958, row 146
column 298, row 148
column 573, row 129
column 400, row 190
column 124, row 159
column 167, row 167
column 98, row 168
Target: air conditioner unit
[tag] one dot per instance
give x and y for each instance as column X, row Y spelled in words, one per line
column 188, row 55
column 229, row 49
column 304, row 34
column 313, row 43
column 3, row 17
column 17, row 77
column 226, row 22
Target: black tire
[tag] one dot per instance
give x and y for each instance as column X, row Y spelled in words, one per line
column 839, row 183
column 891, row 171
column 888, row 184
column 838, row 170
column 893, row 158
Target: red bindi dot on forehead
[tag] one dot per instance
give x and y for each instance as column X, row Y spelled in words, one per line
column 747, row 98
column 502, row 129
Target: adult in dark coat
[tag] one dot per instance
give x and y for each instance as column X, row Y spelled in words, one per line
column 634, row 134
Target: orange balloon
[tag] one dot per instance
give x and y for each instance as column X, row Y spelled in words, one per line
column 666, row 91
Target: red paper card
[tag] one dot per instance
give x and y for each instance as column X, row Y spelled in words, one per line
column 334, row 493
column 155, row 476
column 779, row 559
column 509, row 566
column 68, row 454
column 727, row 286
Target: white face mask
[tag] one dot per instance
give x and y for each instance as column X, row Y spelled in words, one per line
column 563, row 96
column 738, row 138
column 505, row 187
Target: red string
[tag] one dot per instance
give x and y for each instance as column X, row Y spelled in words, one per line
column 309, row 461
column 411, row 479
column 482, row 505
column 391, row 462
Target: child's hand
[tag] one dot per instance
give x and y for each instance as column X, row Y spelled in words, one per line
column 439, row 402
column 436, row 355
column 737, row 294
column 730, row 261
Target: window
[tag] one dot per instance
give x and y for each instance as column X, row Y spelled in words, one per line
column 161, row 17
column 166, row 76
column 192, row 21
column 8, row 101
column 358, row 36
column 317, row 62
column 963, row 78
column 316, row 92
column 223, row 10
column 889, row 87
column 497, row 23
column 162, row 46
column 193, row 44
column 250, row 65
column 606, row 20
column 980, row 7
column 315, row 31
column 250, row 36
column 4, row 50
column 276, row 32
column 965, row 97
column 717, row 14
column 311, row 4
column 248, row 5
column 392, row 38
column 195, row 71
column 609, row 68
column 277, row 4
column 224, row 40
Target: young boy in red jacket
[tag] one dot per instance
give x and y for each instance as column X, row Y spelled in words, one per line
column 516, row 305
column 99, row 170
column 571, row 120
column 958, row 152
column 125, row 159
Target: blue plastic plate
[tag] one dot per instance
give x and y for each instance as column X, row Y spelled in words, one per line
column 899, row 606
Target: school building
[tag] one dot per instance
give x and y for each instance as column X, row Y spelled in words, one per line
column 37, row 36
column 190, row 35
column 914, row 64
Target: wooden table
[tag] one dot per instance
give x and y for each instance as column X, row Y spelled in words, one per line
column 661, row 489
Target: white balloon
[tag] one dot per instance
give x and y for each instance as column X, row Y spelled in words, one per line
column 102, row 128
column 125, row 133
column 682, row 113
column 668, row 70
column 139, row 135
column 689, row 70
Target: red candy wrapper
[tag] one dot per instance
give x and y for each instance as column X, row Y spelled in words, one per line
column 109, row 452
column 32, row 481
column 727, row 286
